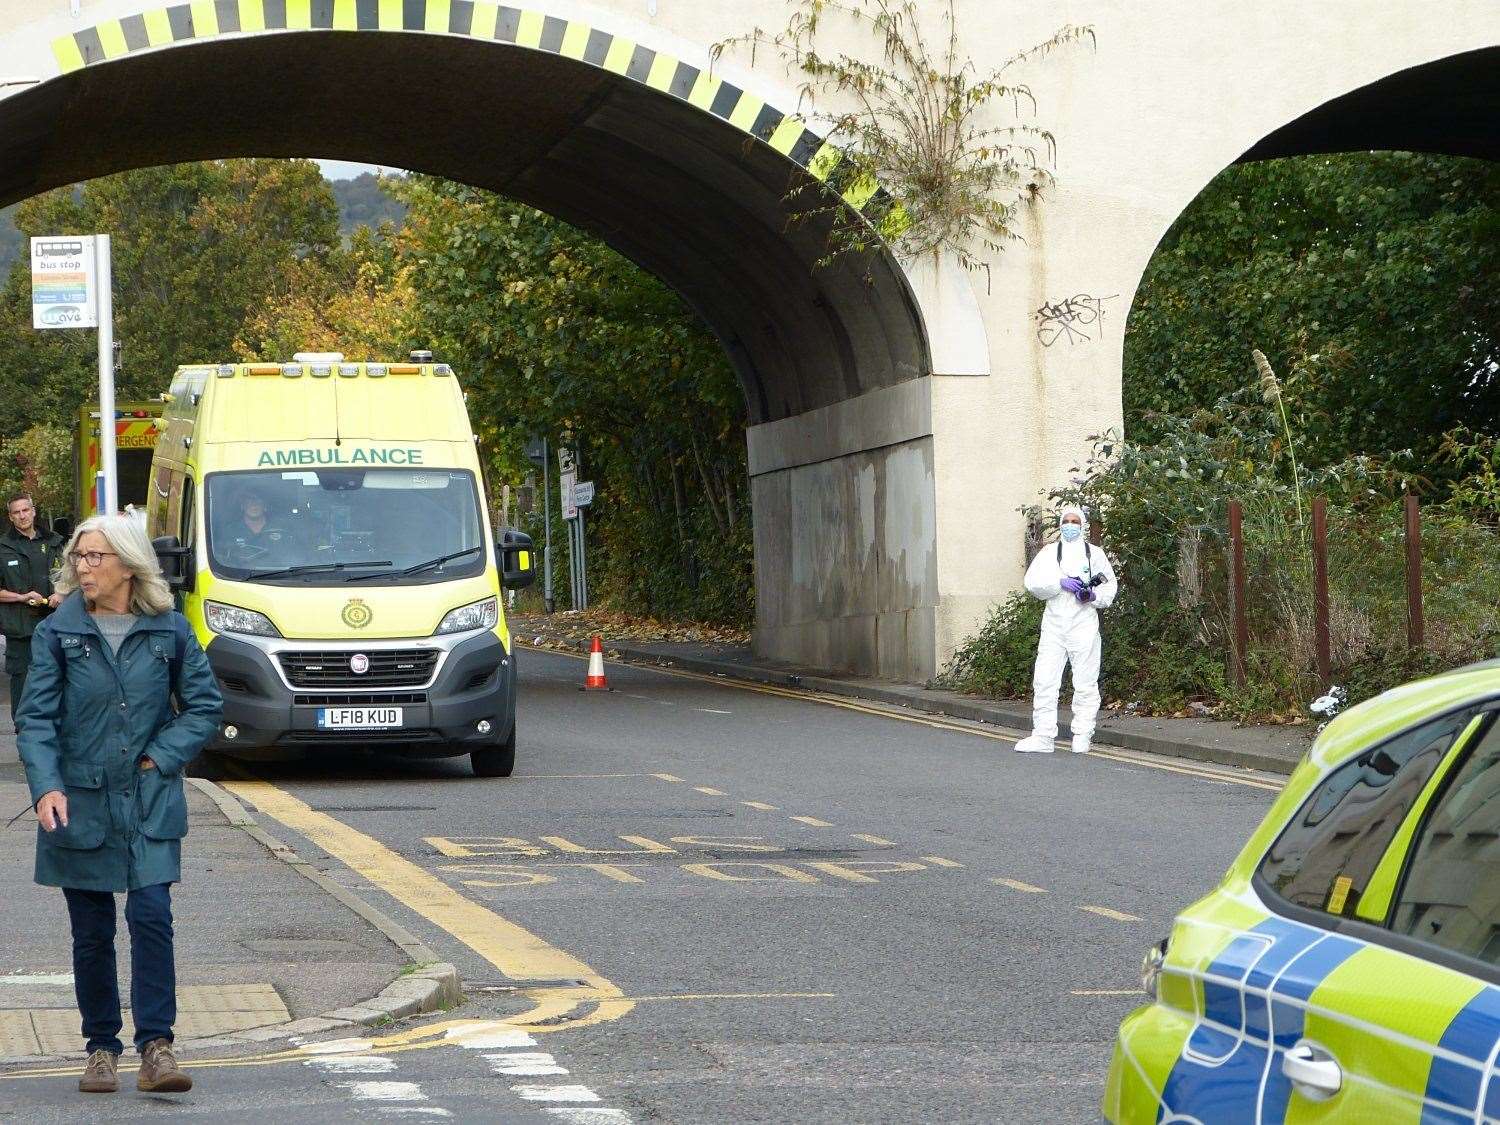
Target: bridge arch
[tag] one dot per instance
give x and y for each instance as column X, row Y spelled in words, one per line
column 678, row 168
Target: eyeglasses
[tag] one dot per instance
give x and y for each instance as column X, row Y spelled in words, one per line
column 93, row 558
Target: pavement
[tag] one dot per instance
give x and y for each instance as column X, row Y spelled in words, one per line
column 267, row 945
column 1276, row 749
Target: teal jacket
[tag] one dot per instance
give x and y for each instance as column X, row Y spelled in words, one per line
column 87, row 719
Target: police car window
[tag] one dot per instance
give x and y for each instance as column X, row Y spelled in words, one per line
column 1450, row 896
column 1324, row 858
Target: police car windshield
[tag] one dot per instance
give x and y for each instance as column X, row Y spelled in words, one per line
column 323, row 526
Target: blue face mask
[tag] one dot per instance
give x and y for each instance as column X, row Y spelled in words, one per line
column 1071, row 532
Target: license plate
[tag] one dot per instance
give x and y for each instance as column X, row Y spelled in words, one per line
column 358, row 718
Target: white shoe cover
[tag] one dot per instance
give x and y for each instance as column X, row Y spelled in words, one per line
column 1080, row 744
column 1034, row 744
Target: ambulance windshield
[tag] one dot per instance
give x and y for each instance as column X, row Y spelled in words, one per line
column 326, row 526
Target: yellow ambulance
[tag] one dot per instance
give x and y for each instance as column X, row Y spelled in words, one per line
column 326, row 525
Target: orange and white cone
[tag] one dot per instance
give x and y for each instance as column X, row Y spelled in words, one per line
column 595, row 679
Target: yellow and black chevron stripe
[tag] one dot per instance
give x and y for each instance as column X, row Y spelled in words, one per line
column 477, row 19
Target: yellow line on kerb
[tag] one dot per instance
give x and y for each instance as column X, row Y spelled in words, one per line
column 517, row 952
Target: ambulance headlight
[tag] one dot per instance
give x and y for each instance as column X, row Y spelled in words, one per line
column 232, row 619
column 476, row 615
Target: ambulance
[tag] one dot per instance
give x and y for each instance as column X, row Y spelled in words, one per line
column 1347, row 967
column 137, row 426
column 326, row 527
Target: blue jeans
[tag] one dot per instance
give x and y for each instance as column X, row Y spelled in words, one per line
column 153, row 975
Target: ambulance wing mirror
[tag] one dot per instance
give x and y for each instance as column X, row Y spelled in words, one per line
column 517, row 559
column 176, row 562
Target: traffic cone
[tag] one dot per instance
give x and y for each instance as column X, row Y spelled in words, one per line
column 594, row 681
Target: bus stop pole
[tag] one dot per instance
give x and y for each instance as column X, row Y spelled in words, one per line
column 106, row 315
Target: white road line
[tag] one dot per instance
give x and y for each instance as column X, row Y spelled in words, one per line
column 415, row 1111
column 384, row 1091
column 488, row 1036
column 589, row 1115
column 42, row 978
column 712, row 711
column 1106, row 912
column 353, row 1064
column 710, row 790
column 339, row 1047
column 1017, row 885
column 573, row 1093
column 762, row 806
column 813, row 821
column 872, row 839
column 525, row 1064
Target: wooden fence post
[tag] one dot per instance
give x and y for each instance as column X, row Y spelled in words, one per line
column 1241, row 643
column 1413, row 574
column 1320, row 590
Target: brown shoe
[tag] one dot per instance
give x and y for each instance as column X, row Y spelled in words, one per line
column 160, row 1073
column 99, row 1075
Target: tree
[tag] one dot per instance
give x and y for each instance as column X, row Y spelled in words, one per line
column 197, row 248
column 555, row 333
column 1368, row 282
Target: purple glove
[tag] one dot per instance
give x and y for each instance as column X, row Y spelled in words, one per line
column 1087, row 596
column 1074, row 586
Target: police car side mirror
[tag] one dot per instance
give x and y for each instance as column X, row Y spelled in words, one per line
column 517, row 559
column 175, row 560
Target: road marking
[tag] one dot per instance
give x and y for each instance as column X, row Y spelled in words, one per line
column 850, row 869
column 826, row 700
column 741, row 996
column 525, row 1064
column 710, row 790
column 353, row 1064
column 762, row 806
column 1017, row 885
column 667, row 777
column 515, row 951
column 1106, row 912
column 712, row 711
column 872, row 839
column 384, row 1091
column 812, row 820
column 939, row 861
column 1106, row 992
column 590, row 1116
column 564, row 1093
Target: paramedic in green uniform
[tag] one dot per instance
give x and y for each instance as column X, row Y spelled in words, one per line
column 27, row 559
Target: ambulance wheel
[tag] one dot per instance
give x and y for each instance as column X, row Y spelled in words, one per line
column 498, row 761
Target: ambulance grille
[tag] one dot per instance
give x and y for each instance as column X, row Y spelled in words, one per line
column 399, row 667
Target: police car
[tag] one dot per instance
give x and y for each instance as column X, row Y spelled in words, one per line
column 1347, row 968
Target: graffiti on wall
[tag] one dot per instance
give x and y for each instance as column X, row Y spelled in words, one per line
column 1075, row 320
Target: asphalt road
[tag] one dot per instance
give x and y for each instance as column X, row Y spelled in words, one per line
column 809, row 912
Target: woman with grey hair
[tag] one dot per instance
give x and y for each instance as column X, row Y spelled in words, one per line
column 120, row 698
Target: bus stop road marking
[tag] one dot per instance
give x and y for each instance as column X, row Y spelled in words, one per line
column 521, row 955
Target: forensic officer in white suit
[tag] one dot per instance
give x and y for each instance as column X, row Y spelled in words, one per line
column 1076, row 580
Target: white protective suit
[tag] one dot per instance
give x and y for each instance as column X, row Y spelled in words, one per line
column 1070, row 633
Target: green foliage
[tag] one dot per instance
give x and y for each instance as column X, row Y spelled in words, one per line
column 921, row 123
column 1163, row 505
column 997, row 660
column 1367, row 279
column 40, row 461
column 556, row 334
column 197, row 248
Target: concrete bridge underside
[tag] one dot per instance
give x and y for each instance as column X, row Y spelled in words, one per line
column 899, row 414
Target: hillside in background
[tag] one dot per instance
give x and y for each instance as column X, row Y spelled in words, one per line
column 362, row 203
column 10, row 240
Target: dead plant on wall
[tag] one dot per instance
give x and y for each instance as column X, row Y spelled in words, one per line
column 934, row 154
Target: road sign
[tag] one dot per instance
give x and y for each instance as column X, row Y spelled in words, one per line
column 566, row 481
column 63, row 282
column 583, row 493
column 565, row 459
